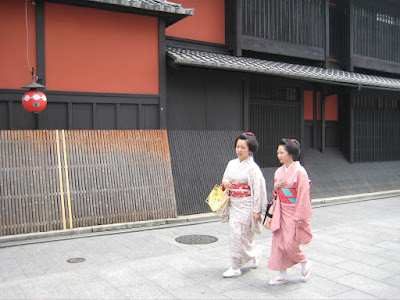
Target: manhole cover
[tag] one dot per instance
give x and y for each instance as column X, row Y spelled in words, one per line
column 196, row 239
column 76, row 260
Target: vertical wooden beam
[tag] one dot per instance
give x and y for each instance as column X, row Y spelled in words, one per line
column 323, row 123
column 141, row 116
column 315, row 119
column 94, row 115
column 350, row 33
column 327, row 34
column 237, row 45
column 10, row 115
column 41, row 120
column 301, row 119
column 117, row 115
column 352, row 131
column 70, row 125
column 162, row 60
column 246, row 105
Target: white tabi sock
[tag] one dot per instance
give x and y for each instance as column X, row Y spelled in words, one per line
column 282, row 275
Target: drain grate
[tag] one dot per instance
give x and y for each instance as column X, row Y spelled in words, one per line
column 196, row 239
column 76, row 260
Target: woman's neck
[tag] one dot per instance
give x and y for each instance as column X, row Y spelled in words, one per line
column 289, row 163
column 244, row 158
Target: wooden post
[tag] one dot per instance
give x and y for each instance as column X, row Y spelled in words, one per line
column 246, row 105
column 323, row 125
column 351, row 116
column 162, row 61
column 315, row 119
column 237, row 43
column 327, row 34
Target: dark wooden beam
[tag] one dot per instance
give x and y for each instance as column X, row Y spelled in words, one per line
column 246, row 104
column 351, row 135
column 162, row 59
column 282, row 48
column 301, row 118
column 350, row 33
column 40, row 57
column 237, row 43
column 376, row 64
column 327, row 35
column 315, row 119
column 323, row 123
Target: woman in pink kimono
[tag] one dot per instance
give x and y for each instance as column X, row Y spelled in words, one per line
column 290, row 223
column 247, row 191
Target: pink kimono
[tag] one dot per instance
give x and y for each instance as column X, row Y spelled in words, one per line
column 287, row 237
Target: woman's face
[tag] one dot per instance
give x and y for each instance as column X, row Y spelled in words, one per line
column 242, row 150
column 283, row 155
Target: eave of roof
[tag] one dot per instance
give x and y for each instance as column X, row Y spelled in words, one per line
column 169, row 11
column 155, row 5
column 246, row 64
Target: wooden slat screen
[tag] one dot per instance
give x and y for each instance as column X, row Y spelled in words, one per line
column 376, row 33
column 299, row 22
column 107, row 176
column 376, row 129
column 199, row 159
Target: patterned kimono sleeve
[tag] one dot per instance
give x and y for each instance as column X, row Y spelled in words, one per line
column 258, row 189
column 226, row 173
column 303, row 203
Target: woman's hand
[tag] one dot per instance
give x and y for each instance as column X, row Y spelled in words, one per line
column 280, row 183
column 300, row 223
column 257, row 217
column 228, row 184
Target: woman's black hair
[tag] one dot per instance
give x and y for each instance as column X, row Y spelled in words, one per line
column 250, row 139
column 292, row 147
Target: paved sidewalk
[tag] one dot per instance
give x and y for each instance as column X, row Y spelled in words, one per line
column 355, row 254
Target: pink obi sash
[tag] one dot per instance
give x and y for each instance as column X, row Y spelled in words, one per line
column 288, row 196
column 240, row 190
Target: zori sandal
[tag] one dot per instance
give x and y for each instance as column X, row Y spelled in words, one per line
column 277, row 281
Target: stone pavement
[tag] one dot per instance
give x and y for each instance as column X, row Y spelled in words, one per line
column 355, row 254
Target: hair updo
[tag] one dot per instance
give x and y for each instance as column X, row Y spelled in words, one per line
column 292, row 147
column 250, row 139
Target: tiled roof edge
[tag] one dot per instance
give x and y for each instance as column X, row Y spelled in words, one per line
column 155, row 5
column 253, row 65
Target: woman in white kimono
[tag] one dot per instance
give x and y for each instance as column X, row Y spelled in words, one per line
column 248, row 196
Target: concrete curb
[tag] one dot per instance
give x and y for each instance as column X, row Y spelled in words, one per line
column 180, row 220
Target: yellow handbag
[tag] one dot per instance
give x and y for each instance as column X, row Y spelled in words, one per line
column 218, row 199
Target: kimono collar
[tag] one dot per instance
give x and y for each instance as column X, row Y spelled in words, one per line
column 287, row 168
column 249, row 159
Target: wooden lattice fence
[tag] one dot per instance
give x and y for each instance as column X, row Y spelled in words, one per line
column 60, row 179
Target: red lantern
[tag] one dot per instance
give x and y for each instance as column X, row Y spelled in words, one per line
column 34, row 101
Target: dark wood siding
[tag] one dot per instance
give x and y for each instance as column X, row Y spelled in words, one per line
column 284, row 27
column 69, row 110
column 204, row 100
column 375, row 36
column 376, row 127
column 274, row 114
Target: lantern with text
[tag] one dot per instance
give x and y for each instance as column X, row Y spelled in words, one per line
column 34, row 101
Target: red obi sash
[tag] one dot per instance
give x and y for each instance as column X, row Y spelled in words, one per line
column 240, row 190
column 288, row 196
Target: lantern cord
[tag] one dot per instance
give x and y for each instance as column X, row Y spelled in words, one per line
column 34, row 77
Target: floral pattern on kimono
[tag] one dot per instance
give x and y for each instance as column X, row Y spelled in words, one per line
column 239, row 212
column 287, row 237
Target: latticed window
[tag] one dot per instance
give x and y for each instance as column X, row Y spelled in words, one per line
column 261, row 91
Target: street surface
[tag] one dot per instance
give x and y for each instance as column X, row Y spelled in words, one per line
column 355, row 253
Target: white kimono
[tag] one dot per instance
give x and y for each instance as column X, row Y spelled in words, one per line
column 239, row 213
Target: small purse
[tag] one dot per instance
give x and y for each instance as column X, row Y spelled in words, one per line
column 269, row 213
column 218, row 199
